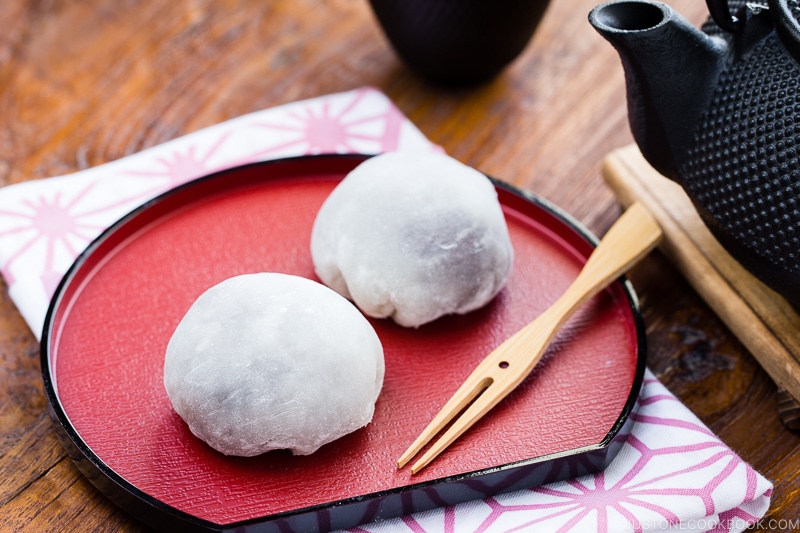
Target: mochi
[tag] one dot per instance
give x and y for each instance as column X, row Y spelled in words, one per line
column 273, row 361
column 413, row 236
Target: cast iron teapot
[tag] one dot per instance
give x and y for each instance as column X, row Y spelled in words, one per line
column 718, row 111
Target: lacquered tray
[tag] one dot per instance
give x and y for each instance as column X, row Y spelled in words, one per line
column 108, row 325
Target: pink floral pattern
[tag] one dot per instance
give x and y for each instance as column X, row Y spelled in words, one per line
column 671, row 471
column 45, row 224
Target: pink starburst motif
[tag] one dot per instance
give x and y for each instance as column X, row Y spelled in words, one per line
column 185, row 166
column 55, row 224
column 313, row 128
column 598, row 499
column 181, row 166
column 326, row 129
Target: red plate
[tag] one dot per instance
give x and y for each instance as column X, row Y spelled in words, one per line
column 109, row 323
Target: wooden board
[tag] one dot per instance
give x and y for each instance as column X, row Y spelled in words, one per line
column 762, row 320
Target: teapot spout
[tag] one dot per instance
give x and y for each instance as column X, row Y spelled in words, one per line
column 671, row 69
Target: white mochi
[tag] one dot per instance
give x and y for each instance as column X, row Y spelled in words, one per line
column 413, row 236
column 273, row 361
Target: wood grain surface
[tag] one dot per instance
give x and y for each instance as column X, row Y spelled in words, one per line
column 760, row 318
column 89, row 81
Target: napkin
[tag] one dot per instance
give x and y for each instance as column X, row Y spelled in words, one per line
column 672, row 472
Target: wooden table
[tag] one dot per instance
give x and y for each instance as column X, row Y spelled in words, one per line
column 83, row 83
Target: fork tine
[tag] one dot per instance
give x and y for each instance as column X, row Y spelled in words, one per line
column 482, row 405
column 474, row 385
column 491, row 381
column 502, row 370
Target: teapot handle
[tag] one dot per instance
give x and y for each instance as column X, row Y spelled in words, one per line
column 721, row 13
column 787, row 25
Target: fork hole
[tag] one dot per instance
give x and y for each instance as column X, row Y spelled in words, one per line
column 503, row 364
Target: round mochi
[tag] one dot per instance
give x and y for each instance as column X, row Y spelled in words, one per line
column 413, row 236
column 273, row 361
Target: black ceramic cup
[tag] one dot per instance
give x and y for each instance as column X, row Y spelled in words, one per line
column 458, row 42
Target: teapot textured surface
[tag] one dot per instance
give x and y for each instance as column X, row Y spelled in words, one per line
column 730, row 133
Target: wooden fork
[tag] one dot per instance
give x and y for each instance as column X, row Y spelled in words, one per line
column 629, row 240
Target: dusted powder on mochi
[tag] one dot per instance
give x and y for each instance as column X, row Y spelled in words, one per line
column 273, row 361
column 413, row 236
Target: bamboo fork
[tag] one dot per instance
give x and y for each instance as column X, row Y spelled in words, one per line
column 629, row 240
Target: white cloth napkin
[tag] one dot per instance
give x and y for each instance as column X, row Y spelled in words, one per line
column 672, row 472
